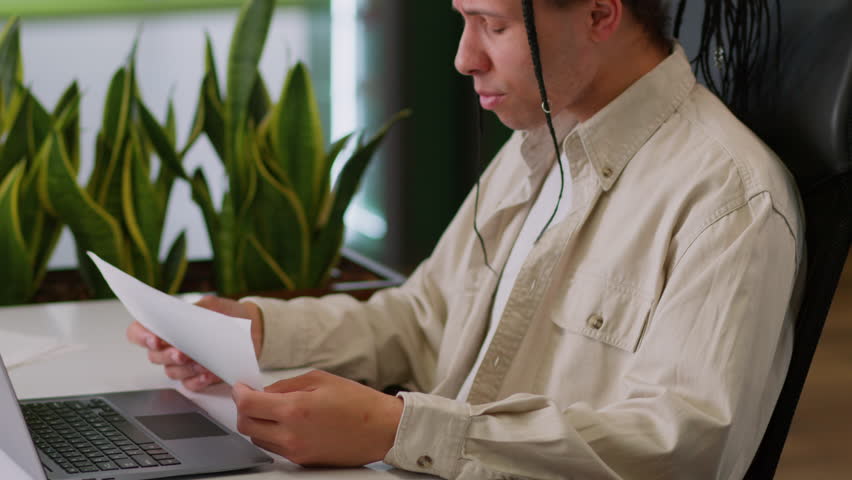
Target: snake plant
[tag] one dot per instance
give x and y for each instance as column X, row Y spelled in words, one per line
column 121, row 212
column 280, row 224
column 28, row 235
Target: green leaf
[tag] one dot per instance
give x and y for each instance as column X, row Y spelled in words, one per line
column 245, row 175
column 210, row 67
column 116, row 107
column 246, row 49
column 159, row 139
column 143, row 213
column 16, row 275
column 93, row 228
column 29, row 129
column 67, row 115
column 297, row 139
column 325, row 189
column 14, row 146
column 197, row 125
column 11, row 71
column 69, row 100
column 330, row 238
column 227, row 236
column 262, row 271
column 214, row 118
column 166, row 176
column 201, row 196
column 174, row 268
column 259, row 103
column 170, row 127
column 9, row 113
column 102, row 154
column 117, row 119
column 39, row 124
column 40, row 230
column 281, row 227
column 32, row 220
column 209, row 87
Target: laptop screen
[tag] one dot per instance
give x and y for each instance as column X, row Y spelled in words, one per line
column 17, row 451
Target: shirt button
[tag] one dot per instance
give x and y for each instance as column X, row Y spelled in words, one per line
column 607, row 172
column 424, row 462
column 595, row 321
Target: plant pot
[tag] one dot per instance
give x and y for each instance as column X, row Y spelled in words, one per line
column 355, row 275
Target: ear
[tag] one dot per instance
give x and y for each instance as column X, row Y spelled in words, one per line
column 604, row 19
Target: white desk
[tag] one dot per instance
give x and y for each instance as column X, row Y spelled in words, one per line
column 107, row 362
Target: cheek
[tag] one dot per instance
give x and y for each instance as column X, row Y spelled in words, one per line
column 571, row 78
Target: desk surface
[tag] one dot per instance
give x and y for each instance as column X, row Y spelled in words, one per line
column 106, row 362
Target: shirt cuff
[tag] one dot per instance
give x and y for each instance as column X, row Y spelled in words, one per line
column 430, row 435
column 283, row 333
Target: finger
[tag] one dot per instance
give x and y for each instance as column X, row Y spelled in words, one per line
column 168, row 356
column 200, row 382
column 139, row 335
column 258, row 405
column 182, row 372
column 265, row 430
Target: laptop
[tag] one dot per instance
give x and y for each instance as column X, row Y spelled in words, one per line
column 117, row 436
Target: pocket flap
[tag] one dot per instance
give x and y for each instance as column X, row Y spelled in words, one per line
column 599, row 310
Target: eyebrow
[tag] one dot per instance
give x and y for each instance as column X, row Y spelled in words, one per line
column 480, row 12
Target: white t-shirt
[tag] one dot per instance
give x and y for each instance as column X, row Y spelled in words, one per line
column 536, row 220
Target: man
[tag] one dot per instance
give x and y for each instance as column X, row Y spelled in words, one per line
column 623, row 313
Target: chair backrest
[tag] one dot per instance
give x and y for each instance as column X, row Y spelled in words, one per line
column 804, row 112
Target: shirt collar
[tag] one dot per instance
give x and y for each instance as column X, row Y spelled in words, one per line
column 610, row 138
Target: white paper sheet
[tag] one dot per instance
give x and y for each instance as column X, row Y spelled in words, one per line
column 11, row 470
column 219, row 342
column 20, row 349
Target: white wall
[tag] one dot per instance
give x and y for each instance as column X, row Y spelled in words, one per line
column 170, row 63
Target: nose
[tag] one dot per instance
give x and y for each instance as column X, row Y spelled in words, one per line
column 471, row 59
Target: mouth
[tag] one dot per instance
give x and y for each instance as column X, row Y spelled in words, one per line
column 490, row 100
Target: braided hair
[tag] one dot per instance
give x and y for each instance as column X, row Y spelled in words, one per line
column 737, row 39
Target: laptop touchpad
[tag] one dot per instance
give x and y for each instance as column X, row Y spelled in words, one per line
column 181, row 425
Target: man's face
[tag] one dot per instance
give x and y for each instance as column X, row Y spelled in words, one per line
column 494, row 50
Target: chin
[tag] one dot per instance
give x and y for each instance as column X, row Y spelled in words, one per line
column 514, row 122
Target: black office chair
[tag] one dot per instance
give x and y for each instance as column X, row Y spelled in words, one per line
column 804, row 112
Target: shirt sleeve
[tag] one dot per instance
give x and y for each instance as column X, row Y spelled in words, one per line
column 391, row 339
column 696, row 411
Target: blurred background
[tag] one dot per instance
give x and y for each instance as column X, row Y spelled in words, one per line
column 368, row 59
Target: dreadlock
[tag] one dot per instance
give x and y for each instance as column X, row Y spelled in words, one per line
column 737, row 37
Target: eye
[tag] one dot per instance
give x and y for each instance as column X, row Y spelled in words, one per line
column 493, row 27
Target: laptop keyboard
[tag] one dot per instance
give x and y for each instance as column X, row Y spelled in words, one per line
column 89, row 436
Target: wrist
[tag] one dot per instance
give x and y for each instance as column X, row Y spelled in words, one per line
column 391, row 415
column 256, row 318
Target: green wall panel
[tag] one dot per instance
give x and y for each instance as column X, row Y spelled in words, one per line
column 31, row 8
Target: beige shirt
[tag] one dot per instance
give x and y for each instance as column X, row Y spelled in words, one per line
column 647, row 335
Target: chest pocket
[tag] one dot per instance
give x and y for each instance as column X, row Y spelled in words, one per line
column 603, row 311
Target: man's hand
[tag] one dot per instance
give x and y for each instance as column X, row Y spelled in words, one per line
column 177, row 365
column 319, row 419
